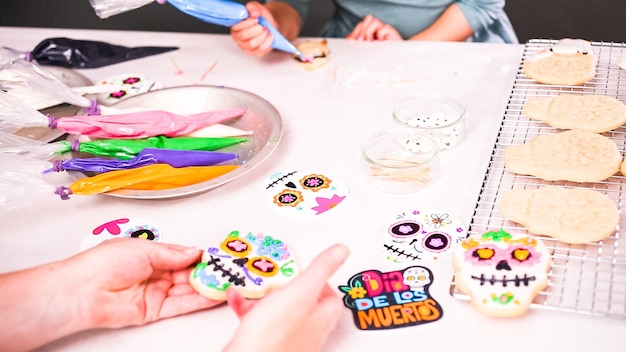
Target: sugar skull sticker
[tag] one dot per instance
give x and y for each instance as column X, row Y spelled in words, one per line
column 304, row 193
column 391, row 300
column 126, row 85
column 123, row 227
column 422, row 235
column 501, row 273
column 253, row 263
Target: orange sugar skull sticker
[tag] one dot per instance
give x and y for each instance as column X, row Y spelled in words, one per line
column 391, row 300
column 304, row 194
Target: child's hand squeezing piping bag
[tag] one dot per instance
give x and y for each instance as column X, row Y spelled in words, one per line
column 218, row 12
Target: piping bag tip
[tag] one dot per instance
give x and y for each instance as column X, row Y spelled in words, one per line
column 279, row 42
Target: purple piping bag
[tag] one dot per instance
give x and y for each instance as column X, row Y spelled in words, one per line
column 148, row 156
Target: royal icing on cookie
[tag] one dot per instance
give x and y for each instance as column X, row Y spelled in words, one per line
column 571, row 46
column 123, row 227
column 252, row 263
column 422, row 235
column 567, row 62
column 391, row 300
column 304, row 194
column 502, row 273
column 313, row 54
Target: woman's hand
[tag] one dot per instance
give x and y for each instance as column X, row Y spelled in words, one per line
column 120, row 282
column 132, row 281
column 297, row 317
column 372, row 29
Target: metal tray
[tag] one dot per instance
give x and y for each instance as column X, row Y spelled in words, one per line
column 261, row 118
column 586, row 278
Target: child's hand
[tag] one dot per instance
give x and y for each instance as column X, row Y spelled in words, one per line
column 297, row 317
column 372, row 29
column 249, row 35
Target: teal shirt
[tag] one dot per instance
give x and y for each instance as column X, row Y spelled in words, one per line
column 409, row 17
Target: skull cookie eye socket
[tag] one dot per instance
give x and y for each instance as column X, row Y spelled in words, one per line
column 262, row 266
column 521, row 254
column 143, row 233
column 314, row 182
column 484, row 253
column 405, row 229
column 437, row 241
column 288, row 197
column 236, row 247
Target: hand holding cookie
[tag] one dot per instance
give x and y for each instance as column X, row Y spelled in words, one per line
column 297, row 317
column 120, row 282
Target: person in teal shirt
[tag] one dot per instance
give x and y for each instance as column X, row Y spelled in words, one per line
column 372, row 20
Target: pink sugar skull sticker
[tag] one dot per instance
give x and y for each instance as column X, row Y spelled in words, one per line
column 123, row 227
column 126, row 85
column 304, row 194
column 422, row 235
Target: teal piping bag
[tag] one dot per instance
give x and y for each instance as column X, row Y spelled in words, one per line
column 228, row 13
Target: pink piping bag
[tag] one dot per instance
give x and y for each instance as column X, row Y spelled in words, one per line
column 148, row 156
column 142, row 124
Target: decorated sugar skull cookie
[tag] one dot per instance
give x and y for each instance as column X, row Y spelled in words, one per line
column 314, row 54
column 253, row 263
column 502, row 273
column 418, row 235
column 304, row 194
column 123, row 227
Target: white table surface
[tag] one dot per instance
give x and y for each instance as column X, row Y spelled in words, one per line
column 327, row 115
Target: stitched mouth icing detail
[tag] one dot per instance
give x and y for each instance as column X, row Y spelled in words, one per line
column 525, row 280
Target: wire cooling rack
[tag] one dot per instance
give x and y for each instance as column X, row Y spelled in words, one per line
column 584, row 278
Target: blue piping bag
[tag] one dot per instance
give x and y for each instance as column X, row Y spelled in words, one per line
column 228, row 13
column 219, row 12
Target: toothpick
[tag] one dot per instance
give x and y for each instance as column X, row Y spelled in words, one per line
column 206, row 73
column 334, row 75
column 178, row 70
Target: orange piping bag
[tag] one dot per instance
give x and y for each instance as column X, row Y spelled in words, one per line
column 151, row 177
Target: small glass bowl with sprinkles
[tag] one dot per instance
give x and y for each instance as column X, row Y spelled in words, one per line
column 436, row 115
column 400, row 160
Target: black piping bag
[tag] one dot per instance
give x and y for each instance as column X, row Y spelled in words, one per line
column 74, row 53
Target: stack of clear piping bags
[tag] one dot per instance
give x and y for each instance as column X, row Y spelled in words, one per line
column 36, row 87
